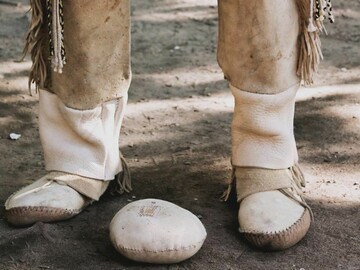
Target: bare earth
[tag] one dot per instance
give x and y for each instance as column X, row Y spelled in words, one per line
column 176, row 137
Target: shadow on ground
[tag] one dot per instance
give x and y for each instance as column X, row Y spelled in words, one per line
column 187, row 161
column 195, row 181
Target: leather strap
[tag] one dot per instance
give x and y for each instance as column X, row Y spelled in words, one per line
column 254, row 180
column 91, row 188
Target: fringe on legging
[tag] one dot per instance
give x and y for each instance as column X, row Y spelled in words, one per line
column 40, row 37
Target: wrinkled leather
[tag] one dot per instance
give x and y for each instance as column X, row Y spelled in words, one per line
column 91, row 188
column 97, row 44
column 46, row 193
column 268, row 212
column 81, row 142
column 262, row 129
column 253, row 180
column 258, row 44
column 263, row 207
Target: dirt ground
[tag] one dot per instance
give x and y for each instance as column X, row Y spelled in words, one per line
column 176, row 137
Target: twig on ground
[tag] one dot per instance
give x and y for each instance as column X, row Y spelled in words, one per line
column 155, row 162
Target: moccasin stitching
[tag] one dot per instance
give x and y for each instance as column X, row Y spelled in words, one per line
column 282, row 240
column 164, row 250
column 278, row 232
column 17, row 215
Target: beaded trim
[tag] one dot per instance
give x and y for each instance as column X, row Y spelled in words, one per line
column 56, row 34
column 321, row 7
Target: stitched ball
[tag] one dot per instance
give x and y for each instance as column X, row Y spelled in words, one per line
column 156, row 231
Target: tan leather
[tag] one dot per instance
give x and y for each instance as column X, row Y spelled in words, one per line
column 97, row 44
column 250, row 181
column 258, row 44
column 272, row 213
column 81, row 142
column 262, row 129
column 91, row 188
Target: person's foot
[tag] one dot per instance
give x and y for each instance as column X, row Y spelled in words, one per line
column 54, row 197
column 272, row 214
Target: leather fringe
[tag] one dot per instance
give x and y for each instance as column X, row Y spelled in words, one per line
column 123, row 179
column 36, row 44
column 226, row 194
column 309, row 58
column 310, row 53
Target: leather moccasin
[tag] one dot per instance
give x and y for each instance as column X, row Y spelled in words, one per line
column 272, row 213
column 53, row 197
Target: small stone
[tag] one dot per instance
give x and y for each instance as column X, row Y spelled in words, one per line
column 14, row 136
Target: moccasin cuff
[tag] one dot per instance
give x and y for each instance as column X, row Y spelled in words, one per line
column 81, row 142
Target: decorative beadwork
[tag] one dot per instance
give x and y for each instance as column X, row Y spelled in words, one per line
column 63, row 54
column 54, row 31
column 49, row 19
column 329, row 11
column 317, row 10
column 321, row 8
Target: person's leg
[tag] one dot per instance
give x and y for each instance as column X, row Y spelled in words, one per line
column 259, row 53
column 81, row 105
